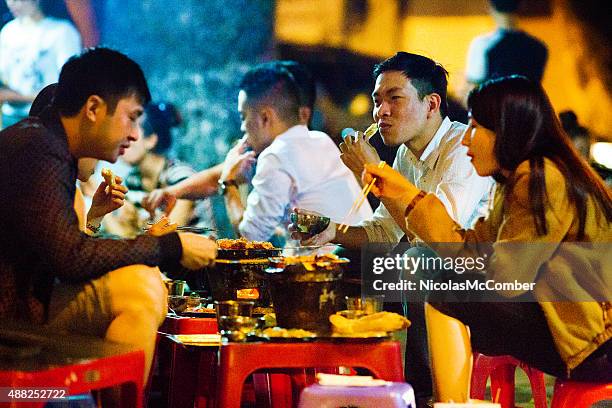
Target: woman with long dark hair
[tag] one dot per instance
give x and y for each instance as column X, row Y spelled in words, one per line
column 550, row 218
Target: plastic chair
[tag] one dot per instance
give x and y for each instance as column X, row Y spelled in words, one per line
column 238, row 360
column 573, row 394
column 501, row 369
column 126, row 370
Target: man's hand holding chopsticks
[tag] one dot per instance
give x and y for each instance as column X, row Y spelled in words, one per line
column 356, row 152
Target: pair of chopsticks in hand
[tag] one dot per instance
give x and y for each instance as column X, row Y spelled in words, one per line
column 359, row 201
column 370, row 131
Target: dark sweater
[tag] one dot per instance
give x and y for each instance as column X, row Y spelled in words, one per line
column 40, row 240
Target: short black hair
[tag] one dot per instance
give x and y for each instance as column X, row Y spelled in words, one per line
column 160, row 118
column 426, row 75
column 505, row 6
column 99, row 71
column 43, row 100
column 304, row 81
column 274, row 85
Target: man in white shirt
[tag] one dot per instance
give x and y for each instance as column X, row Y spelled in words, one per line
column 295, row 167
column 33, row 48
column 242, row 157
column 410, row 109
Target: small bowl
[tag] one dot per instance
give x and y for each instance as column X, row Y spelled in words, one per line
column 366, row 304
column 234, row 308
column 237, row 328
column 309, row 222
column 177, row 303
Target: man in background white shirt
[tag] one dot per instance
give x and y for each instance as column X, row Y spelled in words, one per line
column 33, row 48
column 295, row 167
column 410, row 109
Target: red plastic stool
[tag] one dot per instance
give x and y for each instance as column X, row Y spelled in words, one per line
column 501, row 370
column 126, row 370
column 238, row 360
column 179, row 367
column 189, row 325
column 573, row 394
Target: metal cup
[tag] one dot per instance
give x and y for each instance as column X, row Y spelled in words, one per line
column 234, row 319
column 176, row 287
column 233, row 308
column 367, row 304
column 309, row 222
column 236, row 328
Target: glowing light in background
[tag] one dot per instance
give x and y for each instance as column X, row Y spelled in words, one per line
column 602, row 153
column 360, row 105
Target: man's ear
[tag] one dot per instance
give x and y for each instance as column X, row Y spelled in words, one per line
column 267, row 115
column 305, row 113
column 95, row 108
column 151, row 141
column 434, row 100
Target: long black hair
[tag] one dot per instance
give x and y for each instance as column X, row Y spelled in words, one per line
column 527, row 128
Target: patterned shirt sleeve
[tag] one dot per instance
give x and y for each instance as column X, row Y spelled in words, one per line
column 44, row 218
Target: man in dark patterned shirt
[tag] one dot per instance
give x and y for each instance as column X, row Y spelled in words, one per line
column 52, row 273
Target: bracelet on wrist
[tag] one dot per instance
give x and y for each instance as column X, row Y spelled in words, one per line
column 93, row 227
column 414, row 202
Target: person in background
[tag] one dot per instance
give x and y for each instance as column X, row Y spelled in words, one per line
column 548, row 200
column 295, row 167
column 33, row 48
column 505, row 51
column 578, row 133
column 52, row 273
column 205, row 182
column 151, row 169
column 410, row 109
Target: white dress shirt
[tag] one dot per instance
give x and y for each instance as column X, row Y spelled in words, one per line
column 443, row 169
column 302, row 169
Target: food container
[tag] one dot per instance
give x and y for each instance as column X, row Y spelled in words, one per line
column 309, row 222
column 175, row 287
column 239, row 279
column 305, row 291
column 238, row 271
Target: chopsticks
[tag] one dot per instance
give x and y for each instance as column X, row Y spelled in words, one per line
column 360, row 199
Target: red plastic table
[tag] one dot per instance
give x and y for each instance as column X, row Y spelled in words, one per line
column 238, row 360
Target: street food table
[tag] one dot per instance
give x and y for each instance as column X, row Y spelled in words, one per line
column 219, row 372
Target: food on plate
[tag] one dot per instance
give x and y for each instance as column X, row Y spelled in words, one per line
column 242, row 243
column 279, row 332
column 311, row 262
column 377, row 322
column 200, row 309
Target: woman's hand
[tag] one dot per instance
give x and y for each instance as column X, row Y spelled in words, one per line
column 107, row 199
column 389, row 184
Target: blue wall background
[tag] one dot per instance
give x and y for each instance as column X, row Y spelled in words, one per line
column 194, row 53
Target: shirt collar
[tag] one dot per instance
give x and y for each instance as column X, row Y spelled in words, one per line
column 294, row 131
column 286, row 137
column 432, row 151
column 50, row 118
